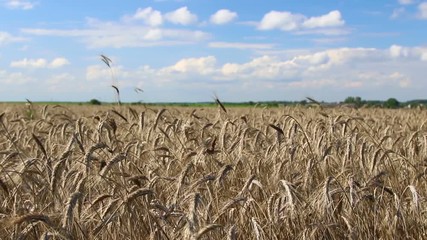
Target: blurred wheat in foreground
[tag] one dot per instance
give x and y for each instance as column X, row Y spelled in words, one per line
column 116, row 172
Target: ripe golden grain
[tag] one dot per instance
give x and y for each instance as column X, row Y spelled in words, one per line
column 176, row 173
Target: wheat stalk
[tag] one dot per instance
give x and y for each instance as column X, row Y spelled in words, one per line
column 68, row 216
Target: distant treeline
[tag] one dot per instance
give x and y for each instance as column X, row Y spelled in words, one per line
column 355, row 102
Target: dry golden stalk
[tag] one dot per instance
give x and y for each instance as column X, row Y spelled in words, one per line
column 210, row 177
column 79, row 142
column 137, row 193
column 100, row 199
column 207, row 229
column 181, row 179
column 109, row 208
column 40, row 145
column 32, row 217
column 222, row 174
column 193, row 219
column 92, row 149
column 141, row 122
column 415, row 199
column 68, row 216
column 230, row 204
column 232, row 233
column 4, row 187
column 119, row 157
column 56, row 174
column 305, row 174
column 257, row 229
column 120, row 115
column 246, row 186
column 289, row 195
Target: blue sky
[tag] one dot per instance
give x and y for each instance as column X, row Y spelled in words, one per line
column 189, row 50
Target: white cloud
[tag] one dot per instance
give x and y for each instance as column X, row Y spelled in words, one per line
column 59, row 62
column 240, row 45
column 332, row 19
column 154, row 34
column 422, row 10
column 181, row 16
column 6, row 38
column 328, row 24
column 315, row 83
column 39, row 63
column 60, row 78
column 99, row 34
column 398, row 51
column 20, row 4
column 339, row 67
column 155, row 18
column 29, row 63
column 14, row 78
column 62, row 82
column 405, row 2
column 95, row 72
column 340, row 70
column 98, row 72
column 402, row 79
column 202, row 66
column 417, row 53
column 285, row 21
column 265, row 68
column 223, row 16
column 150, row 16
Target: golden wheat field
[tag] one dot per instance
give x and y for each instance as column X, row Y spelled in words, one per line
column 137, row 172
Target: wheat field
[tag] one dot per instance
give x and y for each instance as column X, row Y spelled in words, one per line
column 138, row 172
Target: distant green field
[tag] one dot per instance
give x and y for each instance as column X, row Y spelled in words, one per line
column 309, row 102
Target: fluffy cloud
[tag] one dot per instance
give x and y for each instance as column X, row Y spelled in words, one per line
column 265, row 67
column 396, row 67
column 59, row 62
column 117, row 35
column 6, row 38
column 29, row 63
column 150, row 16
column 287, row 21
column 332, row 19
column 347, row 66
column 223, row 16
column 181, row 16
column 155, row 18
column 125, row 33
column 20, row 4
column 97, row 72
column 416, row 53
column 422, row 10
column 398, row 51
column 39, row 63
column 341, row 68
column 56, row 83
column 403, row 80
column 379, row 72
column 202, row 66
column 13, row 78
